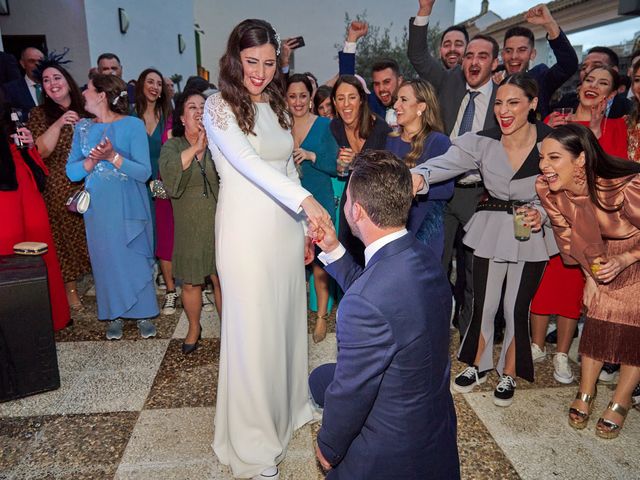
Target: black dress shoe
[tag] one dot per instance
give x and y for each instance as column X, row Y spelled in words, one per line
column 188, row 348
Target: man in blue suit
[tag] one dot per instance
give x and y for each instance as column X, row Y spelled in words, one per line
column 25, row 93
column 388, row 412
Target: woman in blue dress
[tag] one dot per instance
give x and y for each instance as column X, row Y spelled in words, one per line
column 111, row 154
column 315, row 152
column 420, row 138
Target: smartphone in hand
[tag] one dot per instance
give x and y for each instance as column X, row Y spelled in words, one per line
column 299, row 42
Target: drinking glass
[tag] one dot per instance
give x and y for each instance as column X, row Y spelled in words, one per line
column 521, row 231
column 596, row 255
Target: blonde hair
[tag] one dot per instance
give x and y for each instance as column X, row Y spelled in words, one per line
column 430, row 120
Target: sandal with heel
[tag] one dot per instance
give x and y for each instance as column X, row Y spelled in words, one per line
column 320, row 330
column 608, row 429
column 578, row 419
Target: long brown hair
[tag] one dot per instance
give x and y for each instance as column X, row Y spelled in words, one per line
column 52, row 110
column 577, row 139
column 634, row 116
column 162, row 108
column 365, row 119
column 430, row 120
column 248, row 34
column 113, row 87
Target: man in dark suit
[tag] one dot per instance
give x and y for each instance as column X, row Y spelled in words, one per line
column 26, row 92
column 388, row 412
column 467, row 94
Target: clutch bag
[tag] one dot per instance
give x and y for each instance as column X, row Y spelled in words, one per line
column 79, row 201
column 30, row 248
column 158, row 190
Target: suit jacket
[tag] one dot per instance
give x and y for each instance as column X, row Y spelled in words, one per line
column 17, row 95
column 388, row 412
column 8, row 68
column 450, row 85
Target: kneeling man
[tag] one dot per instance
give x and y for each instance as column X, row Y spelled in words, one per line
column 388, row 411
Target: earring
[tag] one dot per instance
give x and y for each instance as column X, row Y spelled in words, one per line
column 419, row 113
column 579, row 175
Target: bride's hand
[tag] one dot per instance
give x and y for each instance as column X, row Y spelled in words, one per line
column 309, row 251
column 314, row 211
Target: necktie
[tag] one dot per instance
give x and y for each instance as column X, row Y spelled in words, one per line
column 469, row 112
column 39, row 96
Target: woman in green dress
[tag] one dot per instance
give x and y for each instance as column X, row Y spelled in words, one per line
column 191, row 180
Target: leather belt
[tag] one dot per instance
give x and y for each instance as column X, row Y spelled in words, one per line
column 495, row 205
column 470, row 185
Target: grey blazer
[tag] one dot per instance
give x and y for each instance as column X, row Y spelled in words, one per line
column 450, row 85
column 490, row 233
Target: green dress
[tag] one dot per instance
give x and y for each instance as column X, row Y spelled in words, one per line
column 194, row 197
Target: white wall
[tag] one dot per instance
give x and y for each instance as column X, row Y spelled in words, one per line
column 63, row 24
column 321, row 22
column 152, row 38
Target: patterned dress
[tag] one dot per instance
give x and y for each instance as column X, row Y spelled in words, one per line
column 67, row 227
column 634, row 142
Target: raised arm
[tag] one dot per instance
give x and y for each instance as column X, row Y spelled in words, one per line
column 429, row 68
column 566, row 59
column 347, row 57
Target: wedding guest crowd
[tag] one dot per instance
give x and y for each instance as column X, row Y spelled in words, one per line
column 532, row 204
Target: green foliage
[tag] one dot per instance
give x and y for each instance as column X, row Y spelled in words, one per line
column 378, row 44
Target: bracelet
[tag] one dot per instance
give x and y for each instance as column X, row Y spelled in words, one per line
column 115, row 158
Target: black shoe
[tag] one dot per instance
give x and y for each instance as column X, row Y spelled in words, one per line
column 609, row 373
column 467, row 380
column 552, row 336
column 503, row 394
column 188, row 348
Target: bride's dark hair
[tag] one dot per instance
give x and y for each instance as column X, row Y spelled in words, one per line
column 248, row 34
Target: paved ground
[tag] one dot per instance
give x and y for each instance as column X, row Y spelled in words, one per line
column 139, row 409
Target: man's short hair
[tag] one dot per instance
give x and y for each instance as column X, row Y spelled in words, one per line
column 109, row 56
column 385, row 63
column 381, row 183
column 455, row 28
column 520, row 32
column 614, row 60
column 495, row 50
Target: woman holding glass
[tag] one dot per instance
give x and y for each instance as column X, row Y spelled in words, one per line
column 111, row 154
column 191, row 180
column 593, row 203
column 507, row 157
column 52, row 126
column 356, row 129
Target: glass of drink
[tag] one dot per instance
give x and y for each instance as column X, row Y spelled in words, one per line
column 564, row 112
column 521, row 230
column 342, row 167
column 596, row 255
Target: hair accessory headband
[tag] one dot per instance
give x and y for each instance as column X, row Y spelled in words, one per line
column 52, row 59
column 277, row 37
column 123, row 93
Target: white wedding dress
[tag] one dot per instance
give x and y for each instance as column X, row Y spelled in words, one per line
column 262, row 381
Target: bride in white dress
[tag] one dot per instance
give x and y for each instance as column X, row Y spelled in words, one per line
column 261, row 249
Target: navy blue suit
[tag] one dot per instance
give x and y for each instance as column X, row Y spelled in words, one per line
column 17, row 95
column 388, row 411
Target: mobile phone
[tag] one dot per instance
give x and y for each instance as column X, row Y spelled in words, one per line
column 299, row 42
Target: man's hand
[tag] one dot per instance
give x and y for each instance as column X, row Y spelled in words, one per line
column 323, row 461
column 425, row 7
column 356, row 30
column 288, row 46
column 418, row 183
column 324, row 235
column 540, row 15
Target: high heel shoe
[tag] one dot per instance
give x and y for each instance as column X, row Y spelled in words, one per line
column 581, row 418
column 320, row 330
column 608, row 429
column 188, row 348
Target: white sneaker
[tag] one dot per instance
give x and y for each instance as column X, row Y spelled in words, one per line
column 270, row 473
column 207, row 305
column 561, row 368
column 537, row 353
column 169, row 304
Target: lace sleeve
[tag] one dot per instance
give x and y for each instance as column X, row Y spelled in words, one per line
column 226, row 139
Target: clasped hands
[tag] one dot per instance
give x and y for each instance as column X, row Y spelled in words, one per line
column 320, row 230
column 103, row 151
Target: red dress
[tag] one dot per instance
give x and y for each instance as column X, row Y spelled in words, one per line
column 24, row 218
column 561, row 287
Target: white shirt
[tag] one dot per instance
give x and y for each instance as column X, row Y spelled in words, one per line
column 31, row 85
column 482, row 105
column 337, row 253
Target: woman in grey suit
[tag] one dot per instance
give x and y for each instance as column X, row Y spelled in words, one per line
column 507, row 157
